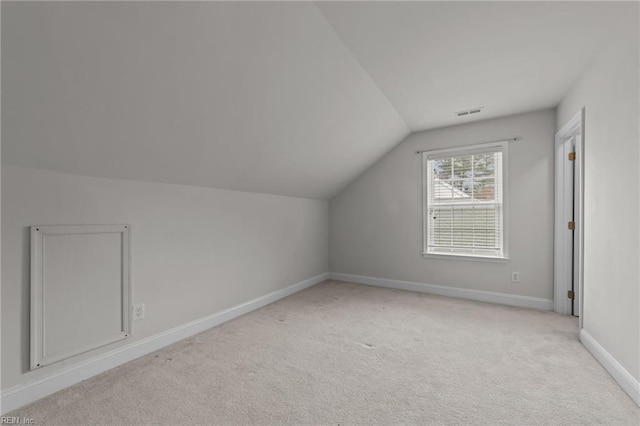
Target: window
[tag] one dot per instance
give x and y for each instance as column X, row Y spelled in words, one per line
column 464, row 205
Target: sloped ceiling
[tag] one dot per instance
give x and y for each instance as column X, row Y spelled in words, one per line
column 259, row 97
column 293, row 99
column 432, row 59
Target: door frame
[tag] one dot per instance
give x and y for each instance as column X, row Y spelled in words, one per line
column 575, row 127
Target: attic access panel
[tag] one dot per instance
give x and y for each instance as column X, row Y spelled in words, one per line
column 80, row 290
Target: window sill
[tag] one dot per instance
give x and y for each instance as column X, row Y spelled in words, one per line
column 446, row 256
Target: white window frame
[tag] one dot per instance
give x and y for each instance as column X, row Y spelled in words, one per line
column 460, row 151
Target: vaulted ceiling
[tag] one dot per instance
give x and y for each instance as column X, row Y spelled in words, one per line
column 433, row 59
column 290, row 98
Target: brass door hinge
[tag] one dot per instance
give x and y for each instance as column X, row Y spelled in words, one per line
column 571, row 295
column 571, row 225
column 572, row 156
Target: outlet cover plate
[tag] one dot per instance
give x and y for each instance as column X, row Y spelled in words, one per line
column 138, row 311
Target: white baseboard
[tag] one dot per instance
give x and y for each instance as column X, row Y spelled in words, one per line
column 483, row 296
column 626, row 381
column 27, row 393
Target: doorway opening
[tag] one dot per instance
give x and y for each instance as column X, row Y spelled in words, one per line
column 569, row 218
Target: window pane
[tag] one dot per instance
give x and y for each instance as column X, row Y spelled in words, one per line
column 440, row 226
column 484, row 189
column 464, row 227
column 462, row 189
column 484, row 164
column 441, row 168
column 485, row 226
column 442, row 191
column 462, row 167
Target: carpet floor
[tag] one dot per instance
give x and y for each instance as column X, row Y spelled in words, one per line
column 341, row 353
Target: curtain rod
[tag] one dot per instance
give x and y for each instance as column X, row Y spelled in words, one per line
column 517, row 138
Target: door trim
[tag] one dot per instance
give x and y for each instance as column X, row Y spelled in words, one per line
column 575, row 127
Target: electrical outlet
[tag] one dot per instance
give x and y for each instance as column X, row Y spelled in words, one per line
column 515, row 277
column 138, row 311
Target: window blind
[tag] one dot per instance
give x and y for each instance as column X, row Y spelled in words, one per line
column 464, row 202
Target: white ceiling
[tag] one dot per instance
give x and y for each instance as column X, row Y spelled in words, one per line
column 432, row 59
column 284, row 98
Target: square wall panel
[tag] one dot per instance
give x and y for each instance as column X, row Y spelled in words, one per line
column 80, row 290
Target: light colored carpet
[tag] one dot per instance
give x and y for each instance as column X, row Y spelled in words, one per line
column 342, row 353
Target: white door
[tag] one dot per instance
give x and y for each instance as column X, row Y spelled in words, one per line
column 569, row 218
column 578, row 232
column 568, row 209
column 565, row 276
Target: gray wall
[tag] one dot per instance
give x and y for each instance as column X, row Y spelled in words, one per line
column 609, row 93
column 195, row 251
column 376, row 222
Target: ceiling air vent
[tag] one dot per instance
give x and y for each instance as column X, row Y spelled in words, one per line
column 469, row 112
